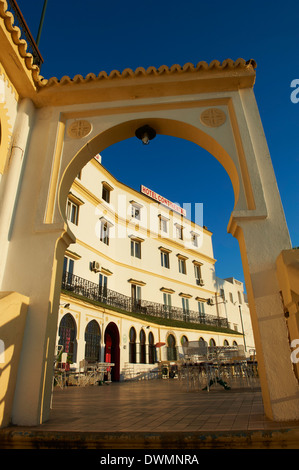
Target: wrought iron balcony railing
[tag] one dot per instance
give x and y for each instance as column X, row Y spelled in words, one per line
column 20, row 22
column 92, row 291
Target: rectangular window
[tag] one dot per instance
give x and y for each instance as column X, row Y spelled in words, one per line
column 182, row 266
column 106, row 194
column 103, row 283
column 135, row 212
column 167, row 304
column 240, row 297
column 179, row 232
column 185, row 304
column 197, row 273
column 165, row 259
column 68, row 265
column 136, row 295
column 72, row 212
column 194, row 239
column 201, row 310
column 231, row 297
column 166, row 300
column 68, row 270
column 136, row 249
column 104, row 233
column 163, row 225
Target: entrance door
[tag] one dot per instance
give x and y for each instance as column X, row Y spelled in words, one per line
column 112, row 351
column 108, row 346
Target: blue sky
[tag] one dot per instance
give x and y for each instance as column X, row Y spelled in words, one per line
column 91, row 36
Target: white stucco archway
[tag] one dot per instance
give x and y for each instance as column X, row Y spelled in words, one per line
column 74, row 121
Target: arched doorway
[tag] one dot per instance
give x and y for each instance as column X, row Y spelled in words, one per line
column 171, row 348
column 152, row 348
column 132, row 345
column 142, row 347
column 112, row 352
column 67, row 337
column 93, row 342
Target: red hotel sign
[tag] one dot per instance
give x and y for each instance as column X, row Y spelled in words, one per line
column 162, row 200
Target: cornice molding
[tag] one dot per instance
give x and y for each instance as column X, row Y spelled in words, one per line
column 202, row 66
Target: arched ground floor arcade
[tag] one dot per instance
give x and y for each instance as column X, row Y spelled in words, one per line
column 90, row 333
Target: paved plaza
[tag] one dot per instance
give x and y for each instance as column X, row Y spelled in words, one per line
column 154, row 414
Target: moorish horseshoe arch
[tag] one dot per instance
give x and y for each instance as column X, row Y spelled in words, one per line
column 75, row 120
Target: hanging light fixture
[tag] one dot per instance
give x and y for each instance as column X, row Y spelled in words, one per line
column 145, row 134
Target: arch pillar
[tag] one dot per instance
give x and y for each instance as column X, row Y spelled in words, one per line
column 278, row 382
column 32, row 397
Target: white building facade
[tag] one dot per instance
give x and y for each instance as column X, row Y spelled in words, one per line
column 140, row 280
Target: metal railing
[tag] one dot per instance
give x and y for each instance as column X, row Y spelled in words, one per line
column 20, row 22
column 92, row 291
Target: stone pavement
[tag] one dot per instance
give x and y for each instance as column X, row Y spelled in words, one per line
column 154, row 414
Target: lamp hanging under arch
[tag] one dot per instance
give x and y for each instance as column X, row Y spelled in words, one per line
column 145, row 134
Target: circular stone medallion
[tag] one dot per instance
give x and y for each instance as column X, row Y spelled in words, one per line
column 213, row 117
column 79, row 129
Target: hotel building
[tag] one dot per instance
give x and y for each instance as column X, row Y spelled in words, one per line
column 140, row 280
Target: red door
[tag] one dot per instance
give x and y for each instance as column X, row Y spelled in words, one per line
column 108, row 347
column 112, row 351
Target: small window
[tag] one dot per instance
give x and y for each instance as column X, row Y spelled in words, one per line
column 103, row 284
column 197, row 272
column 136, row 249
column 104, row 233
column 166, row 300
column 179, row 232
column 106, row 194
column 185, row 304
column 68, row 265
column 194, row 239
column 136, row 295
column 72, row 211
column 135, row 210
column 165, row 259
column 163, row 224
column 201, row 309
column 106, row 190
column 72, row 208
column 231, row 297
column 240, row 297
column 182, row 266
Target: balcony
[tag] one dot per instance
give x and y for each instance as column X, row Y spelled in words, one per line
column 20, row 22
column 151, row 310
